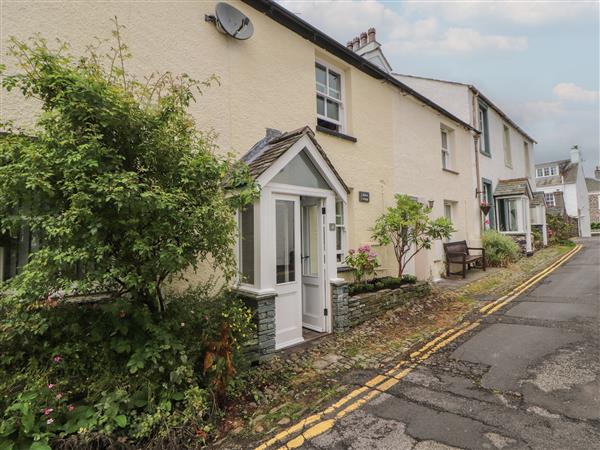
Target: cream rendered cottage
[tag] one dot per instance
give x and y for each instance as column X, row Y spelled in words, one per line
column 329, row 136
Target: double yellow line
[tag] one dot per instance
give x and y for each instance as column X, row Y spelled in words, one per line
column 494, row 306
column 323, row 421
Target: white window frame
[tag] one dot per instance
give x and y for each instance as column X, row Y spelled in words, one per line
column 255, row 274
column 519, row 216
column 506, row 145
column 548, row 195
column 548, row 171
column 446, row 152
column 484, row 128
column 343, row 251
column 341, row 122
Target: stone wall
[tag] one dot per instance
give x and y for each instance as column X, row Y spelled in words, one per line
column 349, row 311
column 262, row 344
column 594, row 207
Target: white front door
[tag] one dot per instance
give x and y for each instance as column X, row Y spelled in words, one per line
column 312, row 264
column 288, row 279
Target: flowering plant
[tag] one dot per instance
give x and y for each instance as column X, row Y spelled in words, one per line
column 362, row 261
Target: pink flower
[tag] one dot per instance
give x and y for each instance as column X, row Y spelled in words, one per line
column 70, row 407
column 57, row 359
column 50, row 421
column 50, row 386
column 47, row 411
column 58, row 396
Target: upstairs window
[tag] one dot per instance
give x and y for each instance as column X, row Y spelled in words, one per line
column 506, row 144
column 550, row 200
column 546, row 171
column 484, row 143
column 329, row 97
column 446, row 155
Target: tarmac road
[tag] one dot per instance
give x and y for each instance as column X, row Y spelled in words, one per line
column 528, row 377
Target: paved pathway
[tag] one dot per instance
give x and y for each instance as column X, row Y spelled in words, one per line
column 528, row 377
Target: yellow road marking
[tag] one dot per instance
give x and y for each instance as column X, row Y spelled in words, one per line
column 533, row 279
column 381, row 383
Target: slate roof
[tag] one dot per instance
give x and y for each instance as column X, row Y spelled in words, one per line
column 593, row 185
column 515, row 186
column 538, row 199
column 566, row 169
column 266, row 151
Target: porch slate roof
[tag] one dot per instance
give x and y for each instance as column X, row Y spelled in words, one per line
column 538, row 199
column 515, row 186
column 266, row 151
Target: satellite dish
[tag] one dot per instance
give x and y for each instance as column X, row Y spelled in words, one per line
column 233, row 22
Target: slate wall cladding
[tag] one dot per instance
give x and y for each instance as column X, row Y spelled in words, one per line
column 594, row 207
column 349, row 311
column 262, row 344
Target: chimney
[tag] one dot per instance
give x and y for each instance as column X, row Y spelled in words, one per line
column 363, row 39
column 349, row 45
column 371, row 35
column 355, row 43
column 597, row 173
column 575, row 155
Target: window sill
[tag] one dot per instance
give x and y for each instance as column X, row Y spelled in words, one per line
column 336, row 134
column 488, row 154
column 450, row 171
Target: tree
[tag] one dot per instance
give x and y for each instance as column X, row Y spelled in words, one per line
column 409, row 229
column 121, row 189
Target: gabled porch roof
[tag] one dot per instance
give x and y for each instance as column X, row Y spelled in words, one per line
column 268, row 152
column 513, row 187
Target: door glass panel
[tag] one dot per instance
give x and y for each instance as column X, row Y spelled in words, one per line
column 284, row 241
column 310, row 223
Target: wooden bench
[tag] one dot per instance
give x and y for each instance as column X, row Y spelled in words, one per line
column 458, row 253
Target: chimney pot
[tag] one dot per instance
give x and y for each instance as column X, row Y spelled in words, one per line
column 355, row 43
column 349, row 45
column 363, row 39
column 371, row 34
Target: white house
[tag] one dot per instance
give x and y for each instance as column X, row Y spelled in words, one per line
column 564, row 186
column 502, row 157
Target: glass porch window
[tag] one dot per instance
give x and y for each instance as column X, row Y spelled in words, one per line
column 340, row 233
column 246, row 238
column 284, row 241
column 508, row 215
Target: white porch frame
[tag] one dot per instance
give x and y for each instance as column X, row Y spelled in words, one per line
column 264, row 225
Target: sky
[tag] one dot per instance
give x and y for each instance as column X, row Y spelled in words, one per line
column 539, row 61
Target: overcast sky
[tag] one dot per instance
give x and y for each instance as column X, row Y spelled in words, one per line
column 537, row 60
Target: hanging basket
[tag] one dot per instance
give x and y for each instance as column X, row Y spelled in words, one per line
column 485, row 209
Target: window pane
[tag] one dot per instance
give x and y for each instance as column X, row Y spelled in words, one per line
column 301, row 171
column 445, row 159
column 310, row 239
column 335, row 85
column 338, row 238
column 333, row 110
column 513, row 225
column 448, row 211
column 321, row 77
column 284, row 241
column 247, row 244
column 320, row 105
column 339, row 213
column 444, row 139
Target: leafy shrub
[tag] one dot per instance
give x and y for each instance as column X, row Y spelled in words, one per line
column 114, row 368
column 596, row 226
column 560, row 229
column 377, row 284
column 362, row 262
column 500, row 249
column 538, row 242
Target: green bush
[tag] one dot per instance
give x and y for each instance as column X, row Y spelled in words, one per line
column 114, row 369
column 560, row 229
column 596, row 226
column 500, row 249
column 377, row 284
